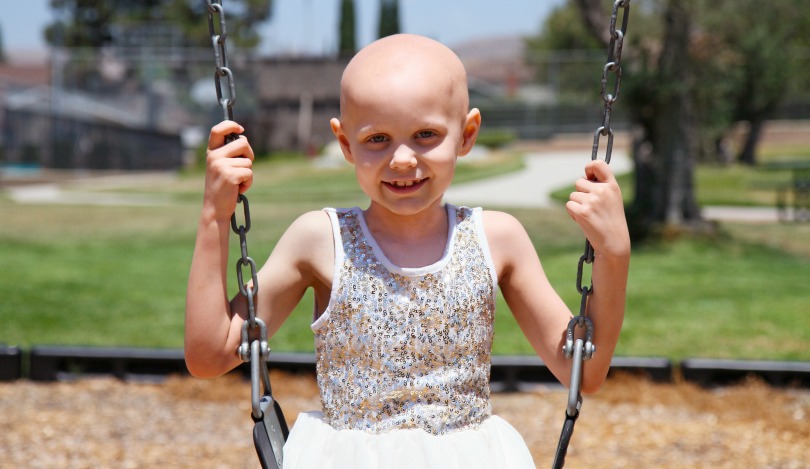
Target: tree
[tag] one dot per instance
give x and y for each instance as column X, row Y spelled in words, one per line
column 2, row 48
column 348, row 43
column 563, row 53
column 83, row 23
column 95, row 23
column 389, row 18
column 657, row 84
column 692, row 69
column 760, row 55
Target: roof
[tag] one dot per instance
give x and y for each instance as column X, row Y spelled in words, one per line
column 71, row 104
column 24, row 75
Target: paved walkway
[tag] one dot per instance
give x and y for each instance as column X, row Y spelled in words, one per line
column 549, row 171
column 544, row 173
column 92, row 190
column 53, row 194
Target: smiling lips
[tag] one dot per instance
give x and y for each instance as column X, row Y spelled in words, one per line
column 404, row 187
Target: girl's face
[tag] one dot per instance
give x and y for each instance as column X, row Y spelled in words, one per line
column 403, row 133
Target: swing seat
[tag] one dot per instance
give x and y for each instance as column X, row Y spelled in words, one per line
column 269, row 433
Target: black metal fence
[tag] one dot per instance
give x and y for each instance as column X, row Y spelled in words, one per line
column 509, row 373
column 150, row 108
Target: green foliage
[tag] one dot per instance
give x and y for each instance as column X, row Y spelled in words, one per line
column 747, row 60
column 712, row 64
column 496, row 138
column 89, row 24
column 563, row 29
column 565, row 55
column 347, row 45
column 95, row 24
column 389, row 18
column 2, row 47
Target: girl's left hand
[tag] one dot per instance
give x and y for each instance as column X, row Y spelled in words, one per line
column 598, row 208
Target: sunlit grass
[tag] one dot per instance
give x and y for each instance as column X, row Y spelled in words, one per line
column 107, row 275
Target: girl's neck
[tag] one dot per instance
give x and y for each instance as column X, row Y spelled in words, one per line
column 409, row 240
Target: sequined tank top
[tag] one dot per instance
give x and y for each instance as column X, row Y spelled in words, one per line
column 407, row 347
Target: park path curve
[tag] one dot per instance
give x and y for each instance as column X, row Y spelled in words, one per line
column 545, row 172
column 531, row 187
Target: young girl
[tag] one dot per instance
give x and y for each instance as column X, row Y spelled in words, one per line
column 405, row 289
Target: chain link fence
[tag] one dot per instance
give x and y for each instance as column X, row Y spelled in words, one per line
column 149, row 108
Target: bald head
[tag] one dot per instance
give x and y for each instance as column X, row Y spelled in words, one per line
column 394, row 64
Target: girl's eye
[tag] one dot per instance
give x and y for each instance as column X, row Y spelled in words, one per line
column 425, row 134
column 377, row 139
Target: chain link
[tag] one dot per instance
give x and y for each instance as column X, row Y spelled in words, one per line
column 270, row 429
column 613, row 66
column 579, row 349
column 226, row 96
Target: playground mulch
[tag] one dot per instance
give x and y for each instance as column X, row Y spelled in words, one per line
column 185, row 422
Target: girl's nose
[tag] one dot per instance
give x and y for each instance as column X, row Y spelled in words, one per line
column 403, row 157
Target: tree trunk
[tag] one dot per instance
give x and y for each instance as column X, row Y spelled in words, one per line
column 748, row 154
column 594, row 17
column 665, row 173
column 663, row 147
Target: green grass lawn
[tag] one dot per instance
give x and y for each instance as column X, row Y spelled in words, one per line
column 115, row 276
column 736, row 185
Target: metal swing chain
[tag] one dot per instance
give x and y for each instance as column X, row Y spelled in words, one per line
column 580, row 349
column 270, row 429
column 226, row 96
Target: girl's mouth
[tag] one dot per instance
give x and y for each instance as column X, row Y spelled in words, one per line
column 404, row 187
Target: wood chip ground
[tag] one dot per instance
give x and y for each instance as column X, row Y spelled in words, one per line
column 189, row 423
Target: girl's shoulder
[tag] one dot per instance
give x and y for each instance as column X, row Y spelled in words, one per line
column 306, row 250
column 507, row 239
column 312, row 224
column 500, row 226
column 310, row 235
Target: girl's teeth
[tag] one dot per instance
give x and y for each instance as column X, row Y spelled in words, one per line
column 404, row 183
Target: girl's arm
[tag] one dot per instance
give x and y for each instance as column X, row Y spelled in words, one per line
column 211, row 326
column 302, row 258
column 598, row 208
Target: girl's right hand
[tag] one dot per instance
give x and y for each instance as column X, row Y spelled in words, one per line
column 228, row 169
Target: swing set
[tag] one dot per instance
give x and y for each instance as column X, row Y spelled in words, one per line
column 270, row 429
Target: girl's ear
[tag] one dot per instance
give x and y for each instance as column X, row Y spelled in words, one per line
column 472, row 124
column 337, row 129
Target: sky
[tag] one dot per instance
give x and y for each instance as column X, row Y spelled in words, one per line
column 309, row 27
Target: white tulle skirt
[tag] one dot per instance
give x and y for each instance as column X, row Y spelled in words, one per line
column 315, row 444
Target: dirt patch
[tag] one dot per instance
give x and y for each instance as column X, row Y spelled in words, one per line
column 185, row 422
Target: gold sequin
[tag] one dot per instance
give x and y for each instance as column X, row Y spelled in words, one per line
column 398, row 350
